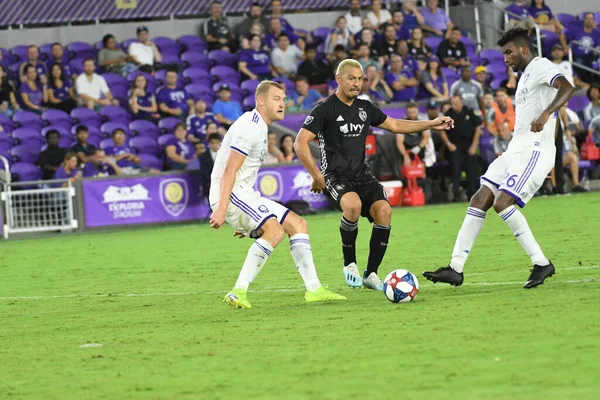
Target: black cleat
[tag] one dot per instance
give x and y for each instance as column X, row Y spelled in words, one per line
column 446, row 275
column 538, row 275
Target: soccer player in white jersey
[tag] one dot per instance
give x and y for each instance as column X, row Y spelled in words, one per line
column 515, row 176
column 233, row 200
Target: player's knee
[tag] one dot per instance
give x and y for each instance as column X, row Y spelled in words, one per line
column 382, row 213
column 483, row 199
column 502, row 203
column 352, row 209
column 301, row 226
column 273, row 232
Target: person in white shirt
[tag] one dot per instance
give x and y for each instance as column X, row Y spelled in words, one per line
column 514, row 177
column 233, row 200
column 285, row 57
column 144, row 53
column 92, row 88
column 354, row 18
column 378, row 16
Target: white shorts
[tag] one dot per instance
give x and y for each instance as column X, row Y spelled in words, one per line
column 248, row 211
column 519, row 174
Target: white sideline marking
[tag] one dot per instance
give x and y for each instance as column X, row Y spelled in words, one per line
column 88, row 345
column 559, row 269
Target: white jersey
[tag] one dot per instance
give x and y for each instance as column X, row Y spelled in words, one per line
column 566, row 69
column 248, row 136
column 534, row 94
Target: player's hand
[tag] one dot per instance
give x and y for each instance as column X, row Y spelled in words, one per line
column 318, row 184
column 239, row 234
column 443, row 123
column 451, row 147
column 472, row 150
column 217, row 218
column 538, row 124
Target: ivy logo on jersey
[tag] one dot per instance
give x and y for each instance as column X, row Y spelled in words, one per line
column 344, row 128
column 362, row 114
column 308, row 120
column 174, row 195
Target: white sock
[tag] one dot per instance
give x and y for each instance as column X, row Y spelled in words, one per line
column 257, row 256
column 302, row 255
column 518, row 225
column 472, row 225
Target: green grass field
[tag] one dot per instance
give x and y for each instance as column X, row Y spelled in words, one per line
column 137, row 314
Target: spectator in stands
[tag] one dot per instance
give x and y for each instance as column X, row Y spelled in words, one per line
column 433, row 111
column 216, row 32
column 409, row 63
column 86, row 152
column 174, row 101
column 258, row 30
column 462, row 141
column 8, row 100
column 51, row 158
column 542, row 15
column 378, row 84
column 433, row 82
column 104, row 167
column 502, row 138
column 589, row 37
column 317, row 72
column 33, row 94
column 286, row 145
column 510, row 83
column 199, row 148
column 92, row 88
column 370, row 95
column 412, row 143
column 402, row 82
column 592, row 110
column 276, row 30
column 207, row 161
column 145, row 53
column 33, row 58
column 274, row 154
column 368, row 37
column 366, row 25
column 488, row 103
column 412, row 16
column 277, row 12
column 285, row 57
column 470, row 90
column 594, row 129
column 304, row 98
column 573, row 129
column 197, row 123
column 402, row 32
column 244, row 29
column 388, row 45
column 435, row 19
column 340, row 35
column 517, row 12
column 502, row 112
column 452, row 51
column 364, row 57
column 339, row 54
column 226, row 110
column 570, row 157
column 178, row 150
column 61, row 94
column 114, row 60
column 57, row 56
column 68, row 169
column 255, row 63
column 565, row 67
column 379, row 16
column 481, row 77
column 142, row 103
column 124, row 156
column 418, row 49
column 353, row 17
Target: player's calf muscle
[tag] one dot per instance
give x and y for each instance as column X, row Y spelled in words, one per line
column 483, row 199
column 272, row 232
column 294, row 224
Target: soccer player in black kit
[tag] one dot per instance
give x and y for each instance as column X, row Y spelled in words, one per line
column 341, row 123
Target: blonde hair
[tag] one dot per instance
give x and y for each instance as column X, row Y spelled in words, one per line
column 347, row 63
column 263, row 88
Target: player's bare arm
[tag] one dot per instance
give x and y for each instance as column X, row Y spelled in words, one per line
column 302, row 148
column 565, row 91
column 234, row 163
column 400, row 126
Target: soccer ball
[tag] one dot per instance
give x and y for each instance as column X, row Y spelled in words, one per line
column 400, row 286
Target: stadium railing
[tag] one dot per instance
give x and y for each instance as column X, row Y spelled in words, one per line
column 578, row 65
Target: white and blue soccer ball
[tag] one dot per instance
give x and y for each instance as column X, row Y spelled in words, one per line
column 400, row 286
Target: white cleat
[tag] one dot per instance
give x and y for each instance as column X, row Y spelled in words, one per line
column 373, row 282
column 352, row 276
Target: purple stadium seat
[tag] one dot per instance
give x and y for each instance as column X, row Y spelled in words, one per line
column 249, row 103
column 597, row 17
column 222, row 57
column 76, row 65
column 25, row 171
column 115, row 80
column 127, row 42
column 64, row 142
column 237, row 96
column 491, row 55
column 23, row 153
column 321, row 33
column 449, row 72
column 167, row 125
column 81, row 50
column 95, row 140
column 85, row 116
column 115, row 114
column 7, row 124
column 170, row 59
column 232, row 85
column 567, row 19
column 549, row 39
column 145, row 145
column 199, row 91
column 486, row 144
column 433, row 42
column 287, row 83
column 62, row 131
column 6, row 142
column 45, row 51
column 19, row 52
column 162, row 141
column 93, row 131
column 192, row 43
column 197, row 75
column 195, row 59
column 105, row 143
column 57, row 117
column 27, row 119
column 160, row 77
column 495, row 84
column 150, row 161
column 166, row 45
column 578, row 103
column 249, row 86
column 108, row 128
column 27, row 136
column 497, row 70
column 144, row 128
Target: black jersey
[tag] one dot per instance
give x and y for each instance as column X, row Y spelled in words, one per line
column 342, row 132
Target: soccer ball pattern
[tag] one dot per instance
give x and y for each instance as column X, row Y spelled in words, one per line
column 400, row 286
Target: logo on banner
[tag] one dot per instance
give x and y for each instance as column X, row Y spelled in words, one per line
column 268, row 185
column 174, row 195
column 126, row 201
column 126, row 4
column 302, row 183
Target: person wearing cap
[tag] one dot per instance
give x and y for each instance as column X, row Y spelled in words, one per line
column 216, row 32
column 433, row 81
column 174, row 101
column 481, row 78
column 144, row 53
column 470, row 90
column 452, row 51
column 226, row 111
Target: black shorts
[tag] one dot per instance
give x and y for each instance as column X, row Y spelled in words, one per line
column 369, row 191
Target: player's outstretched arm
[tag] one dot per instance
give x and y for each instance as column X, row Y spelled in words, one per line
column 302, row 148
column 234, row 163
column 565, row 91
column 407, row 126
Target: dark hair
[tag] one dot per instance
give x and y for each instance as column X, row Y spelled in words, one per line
column 587, row 13
column 171, row 70
column 68, row 156
column 5, row 84
column 32, row 46
column 81, row 128
column 438, row 70
column 117, row 130
column 533, row 3
column 283, row 34
column 387, row 26
column 253, row 36
column 339, row 47
column 56, row 44
column 589, row 91
column 300, row 78
column 255, row 4
column 214, row 136
column 27, row 66
column 52, row 132
column 135, row 79
column 310, row 47
column 88, row 59
column 106, row 38
column 518, row 35
column 180, row 125
column 61, row 77
column 411, row 104
column 502, row 89
column 456, row 28
column 281, row 142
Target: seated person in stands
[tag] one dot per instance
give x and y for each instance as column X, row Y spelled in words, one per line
column 144, row 53
column 592, row 110
column 142, row 103
column 502, row 111
column 207, row 161
column 340, row 35
column 364, row 57
column 198, row 122
column 61, row 94
column 378, row 84
column 589, row 36
column 370, row 95
column 510, row 83
column 339, row 54
column 304, row 98
column 285, row 57
column 571, row 158
column 216, row 31
column 388, row 44
column 199, row 149
column 317, row 72
column 8, row 100
column 254, row 24
column 412, row 143
column 409, row 63
column 276, row 32
column 57, row 56
column 487, row 102
column 178, row 150
column 452, row 51
column 123, row 155
column 86, row 152
column 286, row 145
column 274, row 155
column 33, row 58
column 226, row 110
column 33, row 94
column 418, row 49
column 502, row 138
column 52, row 158
column 255, row 29
column 255, row 63
column 482, row 78
column 402, row 31
column 67, row 170
column 114, row 60
column 518, row 9
column 378, row 16
column 174, row 101
column 542, row 15
column 435, row 20
column 106, row 167
column 433, row 82
column 402, row 82
column 368, row 38
column 92, row 88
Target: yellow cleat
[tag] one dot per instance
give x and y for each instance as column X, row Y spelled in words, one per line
column 322, row 294
column 237, row 298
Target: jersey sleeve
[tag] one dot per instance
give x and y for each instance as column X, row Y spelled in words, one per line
column 315, row 120
column 244, row 136
column 547, row 72
column 378, row 117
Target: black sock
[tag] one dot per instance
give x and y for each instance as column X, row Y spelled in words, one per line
column 377, row 247
column 349, row 232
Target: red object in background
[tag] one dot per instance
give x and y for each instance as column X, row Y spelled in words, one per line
column 589, row 150
column 413, row 195
column 371, row 145
column 393, row 190
column 415, row 170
